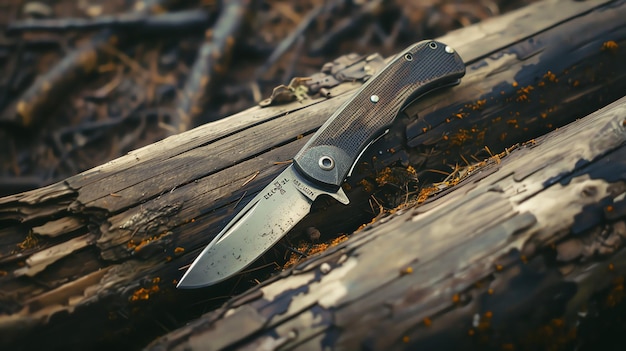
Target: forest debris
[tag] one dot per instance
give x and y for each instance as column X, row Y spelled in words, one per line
column 364, row 12
column 182, row 20
column 346, row 68
column 213, row 59
column 45, row 91
column 37, row 9
column 296, row 91
column 51, row 86
column 288, row 42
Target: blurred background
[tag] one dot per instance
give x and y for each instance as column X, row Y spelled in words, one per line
column 85, row 81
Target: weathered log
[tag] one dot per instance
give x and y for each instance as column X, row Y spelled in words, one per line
column 97, row 256
column 524, row 245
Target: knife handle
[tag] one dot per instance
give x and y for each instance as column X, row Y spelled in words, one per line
column 331, row 153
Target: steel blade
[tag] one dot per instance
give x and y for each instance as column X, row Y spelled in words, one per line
column 255, row 229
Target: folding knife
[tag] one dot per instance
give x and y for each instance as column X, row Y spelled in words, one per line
column 325, row 161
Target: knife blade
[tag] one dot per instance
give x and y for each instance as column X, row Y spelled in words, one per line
column 325, row 161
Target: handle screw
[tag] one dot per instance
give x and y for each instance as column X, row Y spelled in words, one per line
column 374, row 98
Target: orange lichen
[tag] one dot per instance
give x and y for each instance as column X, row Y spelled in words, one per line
column 407, row 270
column 367, row 186
column 338, row 240
column 551, row 77
column 456, row 298
column 610, row 46
column 140, row 294
column 427, row 322
column 136, row 247
column 488, row 314
column 143, row 294
column 309, row 249
column 29, row 242
column 405, row 339
column 425, row 193
column 179, row 250
column 460, row 137
column 384, row 176
column 522, row 93
column 479, row 104
column 498, row 267
column 525, row 90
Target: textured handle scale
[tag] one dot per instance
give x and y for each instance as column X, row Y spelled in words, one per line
column 335, row 148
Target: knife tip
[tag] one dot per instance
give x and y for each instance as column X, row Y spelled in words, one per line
column 186, row 285
column 184, row 282
column 192, row 281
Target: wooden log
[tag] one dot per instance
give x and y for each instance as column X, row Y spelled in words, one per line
column 97, row 255
column 524, row 245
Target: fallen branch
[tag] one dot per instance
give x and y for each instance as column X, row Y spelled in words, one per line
column 213, row 58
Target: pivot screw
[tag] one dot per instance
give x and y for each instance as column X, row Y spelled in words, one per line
column 374, row 98
column 449, row 49
column 326, row 163
column 432, row 45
